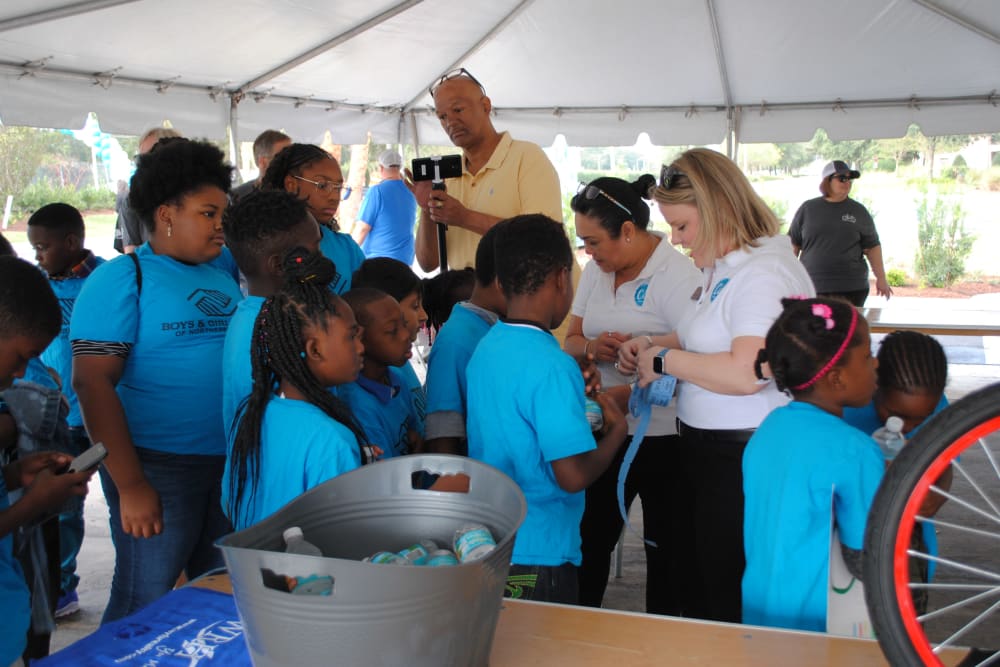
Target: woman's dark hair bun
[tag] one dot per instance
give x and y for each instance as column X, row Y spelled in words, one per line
column 302, row 267
column 645, row 186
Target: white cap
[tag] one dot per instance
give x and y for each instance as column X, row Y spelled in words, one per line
column 894, row 424
column 390, row 158
column 292, row 533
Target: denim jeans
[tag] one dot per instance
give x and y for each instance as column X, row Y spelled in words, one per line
column 189, row 486
column 71, row 522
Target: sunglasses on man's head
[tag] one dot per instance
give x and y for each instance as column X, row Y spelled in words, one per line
column 460, row 73
column 843, row 178
column 591, row 192
column 668, row 176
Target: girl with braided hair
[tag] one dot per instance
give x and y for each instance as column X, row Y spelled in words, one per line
column 314, row 176
column 292, row 427
column 804, row 460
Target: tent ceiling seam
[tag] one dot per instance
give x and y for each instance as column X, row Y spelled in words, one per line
column 955, row 18
column 332, row 43
column 66, row 11
column 490, row 34
column 720, row 57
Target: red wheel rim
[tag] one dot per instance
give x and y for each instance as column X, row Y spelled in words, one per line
column 900, row 561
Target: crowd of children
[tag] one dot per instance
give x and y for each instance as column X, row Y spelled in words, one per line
column 219, row 405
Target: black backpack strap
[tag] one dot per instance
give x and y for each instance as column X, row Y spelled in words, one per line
column 138, row 273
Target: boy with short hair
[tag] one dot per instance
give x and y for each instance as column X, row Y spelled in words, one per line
column 57, row 233
column 453, row 347
column 526, row 408
column 379, row 397
column 30, row 318
column 261, row 228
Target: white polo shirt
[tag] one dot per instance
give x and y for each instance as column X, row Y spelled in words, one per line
column 652, row 303
column 741, row 296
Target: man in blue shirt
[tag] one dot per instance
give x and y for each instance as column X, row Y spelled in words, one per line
column 384, row 227
column 526, row 408
column 57, row 232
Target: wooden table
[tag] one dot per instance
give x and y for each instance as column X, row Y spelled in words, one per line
column 538, row 634
column 935, row 321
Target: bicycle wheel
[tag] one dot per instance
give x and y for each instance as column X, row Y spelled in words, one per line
column 919, row 621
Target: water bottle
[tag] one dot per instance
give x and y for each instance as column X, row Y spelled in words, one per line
column 595, row 416
column 441, row 558
column 473, row 541
column 418, row 553
column 386, row 558
column 890, row 438
column 296, row 543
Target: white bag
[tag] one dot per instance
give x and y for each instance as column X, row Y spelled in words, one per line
column 846, row 611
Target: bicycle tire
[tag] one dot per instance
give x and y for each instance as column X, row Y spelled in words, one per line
column 892, row 519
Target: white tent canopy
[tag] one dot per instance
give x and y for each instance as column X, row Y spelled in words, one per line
column 683, row 71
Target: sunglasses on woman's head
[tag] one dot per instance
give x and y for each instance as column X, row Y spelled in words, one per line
column 668, row 176
column 591, row 192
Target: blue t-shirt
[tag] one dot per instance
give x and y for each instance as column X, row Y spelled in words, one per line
column 801, row 464
column 237, row 370
column 865, row 419
column 172, row 381
column 59, row 355
column 38, row 373
column 450, row 354
column 418, row 397
column 341, row 249
column 385, row 412
column 390, row 209
column 14, row 597
column 526, row 410
column 226, row 263
column 300, row 447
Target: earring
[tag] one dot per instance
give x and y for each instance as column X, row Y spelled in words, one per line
column 628, row 239
column 302, row 354
column 170, row 230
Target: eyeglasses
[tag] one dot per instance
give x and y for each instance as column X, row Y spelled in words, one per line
column 591, row 192
column 843, row 178
column 459, row 73
column 323, row 186
column 668, row 176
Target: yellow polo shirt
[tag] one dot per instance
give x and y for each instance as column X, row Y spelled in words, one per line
column 518, row 178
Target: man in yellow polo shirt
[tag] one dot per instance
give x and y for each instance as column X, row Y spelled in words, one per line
column 501, row 177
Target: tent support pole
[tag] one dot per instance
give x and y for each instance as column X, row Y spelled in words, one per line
column 413, row 129
column 234, row 139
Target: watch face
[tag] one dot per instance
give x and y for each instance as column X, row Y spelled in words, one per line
column 658, row 365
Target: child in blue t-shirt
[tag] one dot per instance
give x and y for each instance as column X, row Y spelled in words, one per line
column 804, row 462
column 379, row 398
column 261, row 229
column 526, row 408
column 57, row 232
column 912, row 373
column 453, row 347
column 402, row 284
column 30, row 317
column 314, row 176
column 293, row 433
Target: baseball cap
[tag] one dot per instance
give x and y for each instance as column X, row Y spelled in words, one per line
column 390, row 158
column 839, row 167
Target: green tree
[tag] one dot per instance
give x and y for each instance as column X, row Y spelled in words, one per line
column 22, row 152
column 793, row 156
column 944, row 245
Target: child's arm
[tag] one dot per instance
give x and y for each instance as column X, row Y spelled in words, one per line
column 577, row 472
column 46, row 489
column 94, row 379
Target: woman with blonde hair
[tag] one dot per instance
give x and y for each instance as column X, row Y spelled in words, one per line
column 747, row 267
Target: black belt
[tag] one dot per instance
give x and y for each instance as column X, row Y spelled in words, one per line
column 736, row 435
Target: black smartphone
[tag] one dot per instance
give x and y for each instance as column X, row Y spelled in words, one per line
column 436, row 167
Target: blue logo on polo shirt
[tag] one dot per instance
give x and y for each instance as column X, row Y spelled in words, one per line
column 640, row 294
column 718, row 288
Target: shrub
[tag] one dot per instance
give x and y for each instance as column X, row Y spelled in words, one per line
column 990, row 180
column 944, row 245
column 896, row 277
column 39, row 194
column 887, row 164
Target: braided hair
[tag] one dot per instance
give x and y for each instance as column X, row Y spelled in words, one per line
column 913, row 363
column 276, row 355
column 804, row 340
column 290, row 162
column 443, row 291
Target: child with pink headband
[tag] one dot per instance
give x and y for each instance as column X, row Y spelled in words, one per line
column 804, row 460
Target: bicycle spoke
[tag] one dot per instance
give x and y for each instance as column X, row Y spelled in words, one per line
column 955, row 564
column 951, row 587
column 960, row 603
column 955, row 526
column 992, row 660
column 973, row 484
column 989, row 456
column 970, row 507
column 965, row 628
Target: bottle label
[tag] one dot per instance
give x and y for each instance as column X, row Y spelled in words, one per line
column 474, row 543
column 441, row 558
column 386, row 557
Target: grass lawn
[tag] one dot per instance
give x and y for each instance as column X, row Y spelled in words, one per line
column 100, row 234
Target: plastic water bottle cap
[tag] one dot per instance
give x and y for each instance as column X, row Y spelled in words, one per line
column 292, row 533
column 894, row 424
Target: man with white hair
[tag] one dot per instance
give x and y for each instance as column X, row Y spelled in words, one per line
column 128, row 228
column 384, row 226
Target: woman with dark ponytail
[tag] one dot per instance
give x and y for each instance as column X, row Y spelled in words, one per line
column 636, row 283
column 804, row 463
column 314, row 176
column 293, row 433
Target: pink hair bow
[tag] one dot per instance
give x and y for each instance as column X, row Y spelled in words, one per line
column 824, row 311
